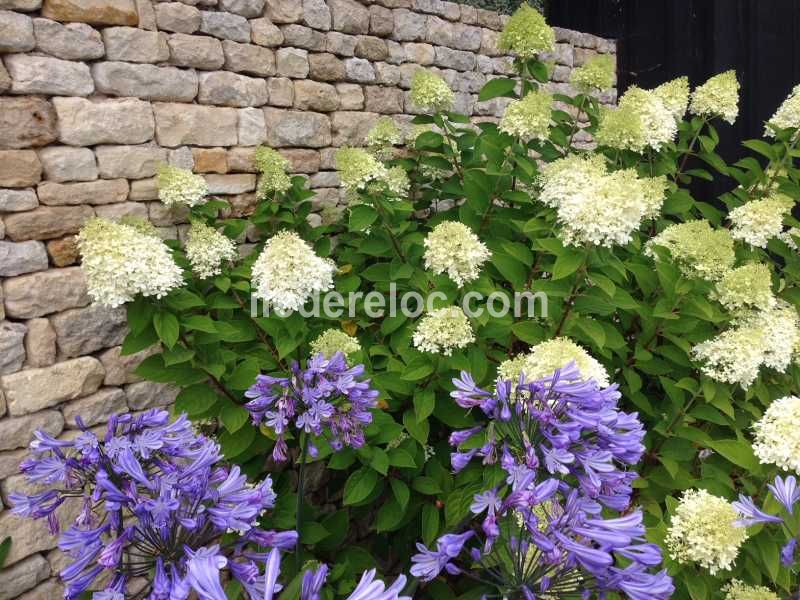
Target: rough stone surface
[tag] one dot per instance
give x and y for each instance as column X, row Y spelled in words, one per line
column 383, row 99
column 145, row 81
column 244, row 8
column 119, row 369
column 284, row 11
column 222, row 88
column 5, row 79
column 12, row 347
column 45, row 292
column 381, row 21
column 16, row 32
column 32, row 536
column 131, row 162
column 21, row 5
column 135, row 45
column 351, row 128
column 359, row 70
column 287, row 128
column 316, row 14
column 231, row 184
column 23, row 576
column 100, row 12
column 187, row 124
column 292, row 62
column 195, row 51
column 225, row 26
column 325, row 67
column 211, row 160
column 64, row 251
column 178, row 17
column 281, row 91
column 101, row 191
column 18, row 258
column 81, row 331
column 45, row 75
column 248, row 58
column 16, row 433
column 312, row 95
column 40, row 343
column 148, row 394
column 96, row 408
column 265, row 33
column 252, row 127
column 349, row 16
column 17, row 200
column 26, row 122
column 371, row 48
column 32, row 390
column 351, row 96
column 409, row 26
column 65, row 163
column 19, row 168
column 84, row 122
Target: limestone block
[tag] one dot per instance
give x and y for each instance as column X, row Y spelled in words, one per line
column 17, row 433
column 351, row 96
column 45, row 292
column 420, row 53
column 102, row 191
column 197, row 51
column 381, row 21
column 12, row 347
column 26, row 122
column 32, row 536
column 359, row 70
column 372, row 48
column 17, row 200
column 148, row 394
column 46, row 222
column 385, row 100
column 284, row 11
column 387, row 74
column 144, row 189
column 21, row 5
column 16, row 32
column 18, row 258
column 454, row 59
column 145, row 81
column 130, row 162
column 194, row 125
column 248, row 58
column 244, row 8
column 289, row 128
column 325, row 67
column 281, row 91
column 213, row 160
column 51, row 76
column 316, row 96
column 65, row 163
column 83, row 122
column 252, row 127
column 99, row 12
column 409, row 26
column 19, row 168
column 316, row 14
column 264, row 33
column 40, row 343
column 292, row 62
column 351, row 128
column 225, row 26
column 96, row 408
column 64, row 251
column 117, row 211
column 340, row 43
column 231, row 184
column 300, row 36
column 81, row 331
column 23, row 576
column 349, row 16
column 229, row 89
column 119, row 369
column 178, row 17
column 135, row 45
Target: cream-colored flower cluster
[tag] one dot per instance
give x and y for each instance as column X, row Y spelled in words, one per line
column 758, row 221
column 454, row 249
column 529, row 118
column 431, row 92
column 597, row 73
column 596, row 206
column 443, row 330
column 737, row 590
column 675, row 96
column 788, row 114
column 123, row 260
column 396, row 181
column 180, row 187
column 746, row 287
column 272, row 167
column 698, row 249
column 703, row 531
column 641, row 120
column 548, row 356
column 287, row 272
column 777, row 434
column 526, row 33
column 357, row 168
column 383, row 136
column 207, row 250
column 332, row 341
column 717, row 97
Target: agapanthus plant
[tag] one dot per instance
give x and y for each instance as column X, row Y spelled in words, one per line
column 327, row 400
column 156, row 502
column 548, row 530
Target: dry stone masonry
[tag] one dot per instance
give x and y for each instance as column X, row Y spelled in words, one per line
column 95, row 94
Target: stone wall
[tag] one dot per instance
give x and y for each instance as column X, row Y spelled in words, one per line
column 95, row 94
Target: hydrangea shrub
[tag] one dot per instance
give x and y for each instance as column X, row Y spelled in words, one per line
column 689, row 304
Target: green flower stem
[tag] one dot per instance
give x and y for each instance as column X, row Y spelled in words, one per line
column 261, row 334
column 300, row 491
column 575, row 125
column 385, row 224
column 689, row 150
column 569, row 303
column 217, row 383
column 452, row 145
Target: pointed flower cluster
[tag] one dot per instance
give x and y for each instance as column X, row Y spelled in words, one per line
column 526, row 33
column 156, row 502
column 596, row 206
column 758, row 221
column 553, row 528
column 699, row 250
column 597, row 73
column 454, row 249
column 777, row 434
column 641, row 120
column 746, row 287
column 548, row 356
column 737, row 590
column 431, row 92
column 675, row 96
column 332, row 341
column 126, row 259
column 287, row 272
column 383, row 136
column 529, row 118
column 207, row 250
column 357, row 168
column 717, row 97
column 788, row 114
column 443, row 330
column 180, row 187
column 272, row 167
column 327, row 400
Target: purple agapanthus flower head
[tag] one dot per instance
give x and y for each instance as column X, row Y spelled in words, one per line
column 326, row 399
column 559, row 524
column 156, row 501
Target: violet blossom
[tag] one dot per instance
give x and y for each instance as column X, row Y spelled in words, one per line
column 326, row 399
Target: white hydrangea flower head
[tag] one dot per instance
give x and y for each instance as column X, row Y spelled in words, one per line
column 781, row 327
column 717, row 97
column 287, row 272
column 675, row 96
column 440, row 331
column 526, row 33
column 597, row 73
column 529, row 118
column 331, row 341
column 396, row 181
column 123, row 260
column 595, row 206
column 736, row 590
column 777, row 434
column 703, row 531
column 641, row 120
column 384, row 135
column 357, row 168
column 788, row 114
column 758, row 221
column 699, row 250
column 180, row 187
column 788, row 237
column 207, row 250
column 454, row 249
column 431, row 92
column 546, row 357
column 273, row 167
column 748, row 286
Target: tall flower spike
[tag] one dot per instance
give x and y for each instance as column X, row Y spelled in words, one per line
column 759, row 221
column 675, row 96
column 526, row 33
column 788, row 114
column 357, row 168
column 332, row 341
column 207, row 250
column 641, row 120
column 454, row 249
column 123, row 260
column 180, row 187
column 547, row 357
column 717, row 97
column 287, row 272
column 272, row 167
column 431, row 92
column 597, row 73
column 383, row 136
column 704, row 531
column 443, row 330
column 529, row 118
